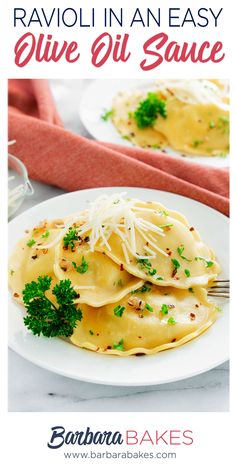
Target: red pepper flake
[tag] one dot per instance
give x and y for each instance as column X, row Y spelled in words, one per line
column 97, row 334
column 34, row 257
column 87, row 239
column 16, row 295
column 169, row 253
column 173, row 340
column 140, row 316
column 192, row 316
column 121, row 267
column 174, row 273
column 191, row 229
column 140, row 354
column 197, row 306
column 140, row 337
column 108, row 347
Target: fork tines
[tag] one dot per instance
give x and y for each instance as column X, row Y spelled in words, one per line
column 220, row 288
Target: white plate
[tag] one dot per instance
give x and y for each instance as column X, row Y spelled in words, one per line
column 98, row 97
column 199, row 355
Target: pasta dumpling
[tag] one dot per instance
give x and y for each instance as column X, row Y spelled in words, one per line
column 122, row 277
column 190, row 116
column 145, row 322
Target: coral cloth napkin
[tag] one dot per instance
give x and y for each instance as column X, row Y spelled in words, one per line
column 56, row 156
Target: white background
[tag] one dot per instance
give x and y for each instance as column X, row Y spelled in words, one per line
column 24, row 436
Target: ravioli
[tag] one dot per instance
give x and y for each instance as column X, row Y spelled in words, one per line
column 137, row 271
column 104, row 281
column 177, row 316
column 28, row 263
column 196, row 121
column 176, row 257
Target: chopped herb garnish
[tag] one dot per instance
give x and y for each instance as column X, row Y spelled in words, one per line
column 130, row 115
column 46, row 234
column 187, row 273
column 146, row 265
column 107, row 115
column 171, row 321
column 31, row 242
column 119, row 283
column 211, row 124
column 126, row 137
column 197, row 142
column 159, row 278
column 119, row 310
column 148, row 110
column 119, row 346
column 163, row 213
column 91, row 332
column 143, row 289
column 70, row 237
column 155, row 146
column 180, row 250
column 164, row 309
column 46, row 318
column 224, row 124
column 148, row 307
column 218, row 308
column 207, row 262
column 175, row 263
column 83, row 267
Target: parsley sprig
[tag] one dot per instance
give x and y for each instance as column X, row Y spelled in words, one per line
column 148, row 110
column 70, row 237
column 46, row 318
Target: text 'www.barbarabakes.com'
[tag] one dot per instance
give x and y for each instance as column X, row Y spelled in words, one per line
column 161, row 439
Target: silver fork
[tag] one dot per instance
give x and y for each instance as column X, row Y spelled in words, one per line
column 220, row 288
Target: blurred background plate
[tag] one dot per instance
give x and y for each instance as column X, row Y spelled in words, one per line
column 98, row 97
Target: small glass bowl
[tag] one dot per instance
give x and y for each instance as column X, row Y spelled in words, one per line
column 18, row 184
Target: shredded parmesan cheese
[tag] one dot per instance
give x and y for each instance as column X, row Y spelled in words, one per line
column 109, row 215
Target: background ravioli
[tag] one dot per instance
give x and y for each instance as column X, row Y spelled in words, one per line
column 196, row 119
